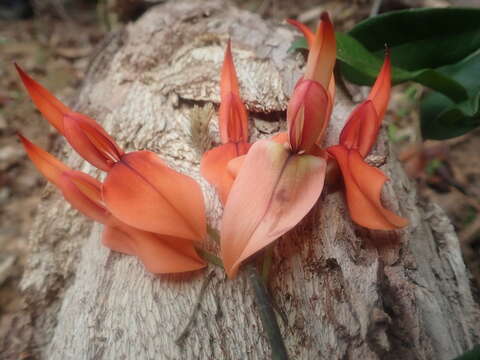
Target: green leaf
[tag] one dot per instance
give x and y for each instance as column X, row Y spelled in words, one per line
column 362, row 67
column 422, row 38
column 420, row 42
column 298, row 44
column 441, row 117
column 473, row 354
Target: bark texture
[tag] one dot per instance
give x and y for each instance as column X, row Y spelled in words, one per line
column 344, row 292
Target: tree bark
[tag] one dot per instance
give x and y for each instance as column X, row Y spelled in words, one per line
column 343, row 292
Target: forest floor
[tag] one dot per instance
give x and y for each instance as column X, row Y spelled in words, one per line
column 54, row 47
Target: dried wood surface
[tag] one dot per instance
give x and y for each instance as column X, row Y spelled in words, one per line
column 345, row 293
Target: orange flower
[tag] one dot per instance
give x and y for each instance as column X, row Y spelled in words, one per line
column 140, row 189
column 318, row 84
column 160, row 254
column 233, row 126
column 279, row 180
column 363, row 183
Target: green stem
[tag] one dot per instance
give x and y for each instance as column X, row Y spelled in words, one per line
column 267, row 315
column 209, row 257
column 267, row 263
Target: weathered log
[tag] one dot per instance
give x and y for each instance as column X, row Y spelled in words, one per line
column 344, row 292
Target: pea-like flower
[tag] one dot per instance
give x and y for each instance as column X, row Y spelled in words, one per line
column 278, row 182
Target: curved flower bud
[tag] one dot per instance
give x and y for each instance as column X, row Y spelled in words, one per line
column 142, row 191
column 85, row 135
column 273, row 191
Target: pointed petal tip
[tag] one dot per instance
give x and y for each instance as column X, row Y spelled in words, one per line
column 322, row 55
column 307, row 33
column 325, row 16
column 51, row 108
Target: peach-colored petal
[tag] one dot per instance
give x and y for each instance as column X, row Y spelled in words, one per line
column 91, row 141
column 363, row 186
column 117, row 240
column 142, row 191
column 361, row 130
column 233, row 117
column 213, row 166
column 48, row 165
column 83, row 192
column 322, row 55
column 331, row 101
column 50, row 107
column 274, row 190
column 306, row 115
column 307, row 33
column 380, row 92
column 159, row 254
column 281, row 137
column 234, row 166
column 233, row 120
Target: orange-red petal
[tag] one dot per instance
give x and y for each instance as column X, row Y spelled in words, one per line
column 142, row 191
column 361, row 130
column 306, row 115
column 363, row 186
column 83, row 192
column 235, row 165
column 159, row 254
column 213, row 166
column 233, row 117
column 273, row 191
column 117, row 240
column 79, row 189
column 91, row 141
column 48, row 165
column 322, row 54
column 331, row 101
column 380, row 92
column 50, row 107
column 307, row 33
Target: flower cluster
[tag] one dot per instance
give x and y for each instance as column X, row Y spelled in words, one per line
column 158, row 214
column 148, row 209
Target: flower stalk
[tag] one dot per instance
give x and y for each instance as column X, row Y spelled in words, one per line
column 266, row 312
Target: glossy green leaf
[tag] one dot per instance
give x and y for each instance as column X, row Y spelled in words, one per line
column 361, row 66
column 422, row 38
column 441, row 117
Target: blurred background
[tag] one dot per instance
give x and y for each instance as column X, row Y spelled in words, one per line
column 53, row 41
